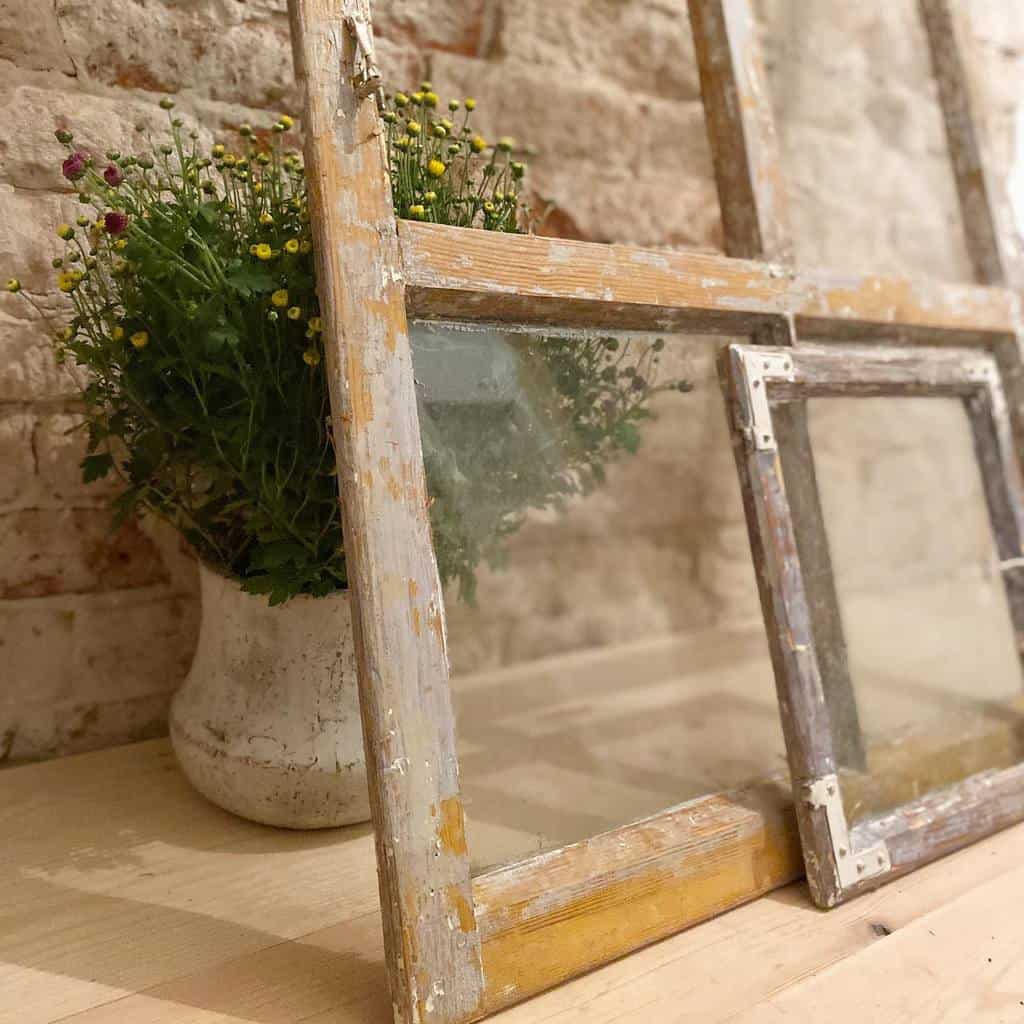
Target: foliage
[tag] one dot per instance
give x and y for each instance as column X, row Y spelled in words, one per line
column 195, row 311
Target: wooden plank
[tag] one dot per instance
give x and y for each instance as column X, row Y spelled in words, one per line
column 461, row 274
column 741, row 131
column 547, row 919
column 423, row 865
column 962, row 962
column 994, row 243
column 940, row 822
column 805, row 720
column 820, row 371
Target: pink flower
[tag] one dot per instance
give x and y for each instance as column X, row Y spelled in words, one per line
column 74, row 167
column 113, row 175
column 115, row 222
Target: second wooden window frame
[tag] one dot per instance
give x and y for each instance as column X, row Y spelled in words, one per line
column 843, row 861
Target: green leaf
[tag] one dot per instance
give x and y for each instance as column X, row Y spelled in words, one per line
column 248, row 278
column 96, row 467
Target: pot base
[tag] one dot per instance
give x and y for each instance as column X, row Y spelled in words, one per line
column 297, row 797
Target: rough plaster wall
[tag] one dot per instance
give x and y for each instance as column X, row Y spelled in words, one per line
column 96, row 629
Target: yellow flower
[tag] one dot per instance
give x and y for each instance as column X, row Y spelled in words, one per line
column 266, row 218
column 454, row 105
column 311, row 357
column 414, row 127
column 140, row 339
column 479, row 143
column 291, row 246
column 121, row 243
column 294, row 312
column 68, row 333
column 305, row 246
column 67, row 281
column 470, row 103
column 257, row 187
column 431, row 99
column 429, row 197
column 417, row 97
column 280, row 298
column 230, row 160
column 117, row 333
column 252, row 249
column 489, row 207
column 65, row 231
column 315, row 325
column 13, row 284
column 264, row 252
column 287, row 121
column 436, row 168
column 401, row 99
column 403, row 143
column 506, row 143
column 440, row 131
column 217, row 151
column 416, row 211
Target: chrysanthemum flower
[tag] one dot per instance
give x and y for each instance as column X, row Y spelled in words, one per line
column 291, row 246
column 74, row 166
column 280, row 298
column 311, row 357
column 478, row 143
column 13, row 285
column 294, row 313
column 115, row 222
column 436, row 168
column 140, row 339
column 65, row 231
column 264, row 252
column 113, row 175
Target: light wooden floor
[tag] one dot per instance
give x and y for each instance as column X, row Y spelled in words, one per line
column 125, row 898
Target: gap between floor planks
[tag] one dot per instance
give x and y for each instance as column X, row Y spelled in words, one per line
column 190, row 951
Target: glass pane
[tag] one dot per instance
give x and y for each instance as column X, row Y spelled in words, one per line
column 930, row 643
column 608, row 653
column 862, row 140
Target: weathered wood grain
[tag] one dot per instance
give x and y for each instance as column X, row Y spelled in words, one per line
column 994, row 243
column 757, row 379
column 546, row 919
column 741, row 131
column 457, row 274
column 433, row 949
column 805, row 720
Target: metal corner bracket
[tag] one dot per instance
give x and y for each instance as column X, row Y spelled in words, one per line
column 761, row 366
column 852, row 866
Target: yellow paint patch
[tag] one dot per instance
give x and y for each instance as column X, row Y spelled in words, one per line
column 452, row 830
column 462, row 908
column 360, row 396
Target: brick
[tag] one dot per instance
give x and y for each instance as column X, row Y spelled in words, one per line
column 642, row 47
column 233, row 53
column 28, row 367
column 30, row 36
column 60, row 445
column 72, row 550
column 17, row 459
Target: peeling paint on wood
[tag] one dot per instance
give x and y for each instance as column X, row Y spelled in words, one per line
column 434, row 968
column 962, row 812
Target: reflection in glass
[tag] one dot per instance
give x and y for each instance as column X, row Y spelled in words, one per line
column 929, row 639
column 607, row 648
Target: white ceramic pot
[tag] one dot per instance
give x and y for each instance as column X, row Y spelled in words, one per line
column 267, row 722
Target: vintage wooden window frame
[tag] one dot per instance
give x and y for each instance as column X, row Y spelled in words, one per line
column 459, row 947
column 844, row 861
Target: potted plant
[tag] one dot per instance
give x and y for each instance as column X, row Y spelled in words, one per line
column 194, row 309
